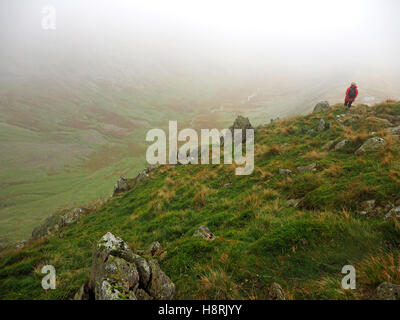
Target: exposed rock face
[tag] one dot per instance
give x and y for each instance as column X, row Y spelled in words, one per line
column 321, row 106
column 119, row 274
column 204, row 232
column 57, row 221
column 286, row 172
column 122, row 185
column 276, row 292
column 341, row 144
column 371, row 144
column 388, row 291
column 395, row 212
column 243, row 124
column 309, row 168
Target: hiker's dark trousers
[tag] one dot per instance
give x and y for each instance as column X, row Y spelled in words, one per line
column 348, row 104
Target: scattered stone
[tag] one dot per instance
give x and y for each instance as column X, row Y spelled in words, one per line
column 142, row 176
column 341, row 144
column 371, row 144
column 286, row 172
column 395, row 212
column 228, row 185
column 294, row 202
column 388, row 291
column 321, row 106
column 204, row 232
column 276, row 292
column 309, row 168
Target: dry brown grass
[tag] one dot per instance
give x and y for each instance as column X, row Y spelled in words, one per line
column 315, row 155
column 334, row 170
column 200, row 199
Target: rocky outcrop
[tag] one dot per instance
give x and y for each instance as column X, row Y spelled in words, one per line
column 388, row 291
column 117, row 273
column 240, row 123
column 371, row 144
column 124, row 184
column 57, row 221
column 204, row 232
column 321, row 106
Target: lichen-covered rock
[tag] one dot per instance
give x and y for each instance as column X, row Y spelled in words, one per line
column 204, row 232
column 341, row 144
column 113, row 269
column 144, row 270
column 311, row 167
column 160, row 287
column 276, row 292
column 321, row 106
column 119, row 274
column 388, row 291
column 371, row 144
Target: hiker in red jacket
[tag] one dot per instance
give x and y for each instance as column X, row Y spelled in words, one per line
column 351, row 95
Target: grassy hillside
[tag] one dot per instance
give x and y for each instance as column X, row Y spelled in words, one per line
column 260, row 237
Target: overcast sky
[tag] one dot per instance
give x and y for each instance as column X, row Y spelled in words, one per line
column 298, row 34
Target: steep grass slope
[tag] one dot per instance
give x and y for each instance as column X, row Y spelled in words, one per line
column 260, row 237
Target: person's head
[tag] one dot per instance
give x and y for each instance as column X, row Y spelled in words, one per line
column 353, row 84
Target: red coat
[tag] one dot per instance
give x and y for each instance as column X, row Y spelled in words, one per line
column 347, row 94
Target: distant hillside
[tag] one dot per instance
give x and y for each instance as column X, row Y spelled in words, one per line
column 324, row 194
